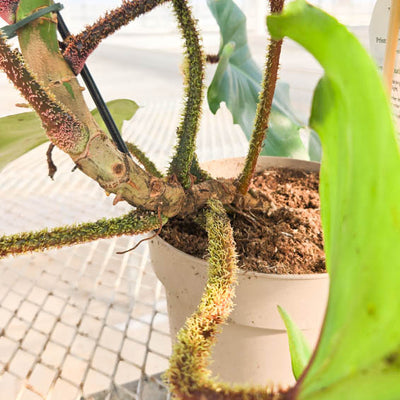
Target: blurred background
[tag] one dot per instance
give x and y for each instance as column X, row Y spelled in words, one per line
column 142, row 60
column 351, row 12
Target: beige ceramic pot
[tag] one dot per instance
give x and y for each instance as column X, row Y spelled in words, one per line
column 253, row 347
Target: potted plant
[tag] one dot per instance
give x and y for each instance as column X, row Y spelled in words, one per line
column 55, row 95
column 255, row 322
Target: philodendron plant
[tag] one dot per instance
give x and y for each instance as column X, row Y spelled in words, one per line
column 358, row 354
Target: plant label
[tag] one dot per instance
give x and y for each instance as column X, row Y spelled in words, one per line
column 378, row 32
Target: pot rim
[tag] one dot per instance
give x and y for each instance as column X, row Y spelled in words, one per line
column 272, row 158
column 316, row 165
column 242, row 272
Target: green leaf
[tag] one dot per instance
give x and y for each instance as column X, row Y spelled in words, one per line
column 237, row 82
column 359, row 349
column 300, row 351
column 283, row 137
column 23, row 132
column 120, row 109
column 18, row 134
column 314, row 146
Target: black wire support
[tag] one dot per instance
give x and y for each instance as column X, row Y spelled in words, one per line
column 96, row 95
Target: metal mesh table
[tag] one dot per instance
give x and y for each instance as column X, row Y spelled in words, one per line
column 83, row 322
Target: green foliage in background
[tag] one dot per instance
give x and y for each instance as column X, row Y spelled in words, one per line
column 23, row 132
column 120, row 109
column 19, row 134
column 237, row 82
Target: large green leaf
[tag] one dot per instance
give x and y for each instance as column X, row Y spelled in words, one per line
column 23, row 132
column 237, row 82
column 358, row 356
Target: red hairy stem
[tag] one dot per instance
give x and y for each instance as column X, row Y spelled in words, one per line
column 79, row 47
column 276, row 6
column 264, row 105
column 8, row 9
column 63, row 129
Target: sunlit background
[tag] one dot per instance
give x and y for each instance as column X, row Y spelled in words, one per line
column 352, row 12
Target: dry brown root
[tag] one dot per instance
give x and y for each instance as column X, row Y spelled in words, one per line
column 225, row 190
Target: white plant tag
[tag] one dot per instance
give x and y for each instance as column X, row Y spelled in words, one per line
column 378, row 31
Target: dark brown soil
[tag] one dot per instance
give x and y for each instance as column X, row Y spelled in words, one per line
column 286, row 241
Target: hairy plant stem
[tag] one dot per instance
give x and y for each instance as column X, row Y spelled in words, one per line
column 62, row 127
column 79, row 47
column 197, row 171
column 190, row 358
column 194, row 92
column 188, row 374
column 264, row 106
column 133, row 223
column 8, row 9
column 148, row 165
